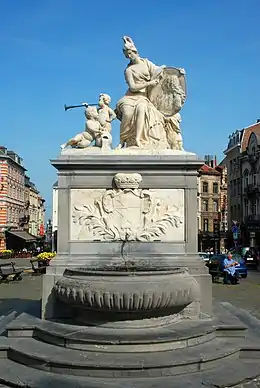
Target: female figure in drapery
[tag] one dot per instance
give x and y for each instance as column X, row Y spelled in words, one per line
column 141, row 123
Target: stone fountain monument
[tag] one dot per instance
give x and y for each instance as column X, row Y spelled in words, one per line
column 127, row 301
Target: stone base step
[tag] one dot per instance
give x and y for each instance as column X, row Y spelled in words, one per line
column 168, row 337
column 5, row 320
column 51, row 358
column 228, row 375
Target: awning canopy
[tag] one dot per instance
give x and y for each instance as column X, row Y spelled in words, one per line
column 23, row 235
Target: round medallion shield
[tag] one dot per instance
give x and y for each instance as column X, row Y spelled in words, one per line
column 169, row 95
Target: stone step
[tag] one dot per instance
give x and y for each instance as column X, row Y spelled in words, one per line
column 36, row 354
column 5, row 320
column 172, row 336
column 229, row 374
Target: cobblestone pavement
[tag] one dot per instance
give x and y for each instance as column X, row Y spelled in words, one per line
column 25, row 296
column 21, row 296
column 255, row 383
column 245, row 295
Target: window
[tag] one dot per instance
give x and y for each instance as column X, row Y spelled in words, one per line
column 215, row 206
column 205, row 225
column 237, row 164
column 238, row 186
column 231, row 188
column 215, row 226
column 215, row 188
column 235, row 187
column 246, row 178
column 205, row 187
column 246, row 207
column 238, row 211
column 205, row 205
column 254, row 179
column 254, row 207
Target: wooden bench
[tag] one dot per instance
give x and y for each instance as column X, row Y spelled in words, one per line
column 216, row 275
column 8, row 272
column 216, row 272
column 40, row 268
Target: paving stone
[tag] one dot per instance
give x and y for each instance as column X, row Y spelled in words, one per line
column 25, row 296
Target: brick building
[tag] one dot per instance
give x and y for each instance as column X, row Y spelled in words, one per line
column 12, row 186
column 15, row 199
column 209, row 204
column 237, row 145
column 250, row 173
column 212, row 205
column 34, row 209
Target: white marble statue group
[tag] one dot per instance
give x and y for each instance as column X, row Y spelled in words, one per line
column 148, row 112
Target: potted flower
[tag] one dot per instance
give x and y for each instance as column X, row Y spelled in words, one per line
column 44, row 258
column 6, row 254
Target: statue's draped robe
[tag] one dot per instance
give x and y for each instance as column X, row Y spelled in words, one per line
column 154, row 120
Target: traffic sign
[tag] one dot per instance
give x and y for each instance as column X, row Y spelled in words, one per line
column 235, row 236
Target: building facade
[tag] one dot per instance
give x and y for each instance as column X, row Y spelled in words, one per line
column 233, row 155
column 240, row 175
column 21, row 206
column 41, row 216
column 12, row 187
column 209, row 205
column 250, row 171
column 34, row 209
column 223, row 206
column 237, row 146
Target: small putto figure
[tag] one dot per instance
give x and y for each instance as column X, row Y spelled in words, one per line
column 106, row 114
column 97, row 127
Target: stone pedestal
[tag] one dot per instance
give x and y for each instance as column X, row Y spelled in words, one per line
column 123, row 284
column 165, row 197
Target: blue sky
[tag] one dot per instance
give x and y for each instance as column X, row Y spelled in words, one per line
column 54, row 52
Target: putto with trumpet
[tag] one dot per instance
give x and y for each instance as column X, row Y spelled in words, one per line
column 149, row 112
column 97, row 127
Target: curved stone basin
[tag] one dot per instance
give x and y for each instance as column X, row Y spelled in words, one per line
column 128, row 292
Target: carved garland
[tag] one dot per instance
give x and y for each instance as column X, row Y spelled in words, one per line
column 98, row 218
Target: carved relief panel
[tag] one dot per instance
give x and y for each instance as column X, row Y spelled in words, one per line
column 127, row 212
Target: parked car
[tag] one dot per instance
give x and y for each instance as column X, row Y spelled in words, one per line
column 205, row 256
column 216, row 266
column 249, row 254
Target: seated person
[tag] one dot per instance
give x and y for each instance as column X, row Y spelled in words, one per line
column 230, row 274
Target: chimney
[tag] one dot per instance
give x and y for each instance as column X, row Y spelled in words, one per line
column 207, row 160
column 258, row 120
column 215, row 161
